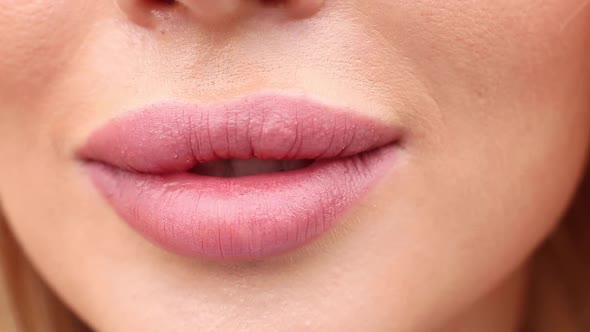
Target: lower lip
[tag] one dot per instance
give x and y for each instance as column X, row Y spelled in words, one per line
column 241, row 218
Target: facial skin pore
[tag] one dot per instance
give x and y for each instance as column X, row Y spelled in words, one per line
column 492, row 97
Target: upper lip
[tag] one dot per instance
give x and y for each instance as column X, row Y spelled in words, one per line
column 175, row 137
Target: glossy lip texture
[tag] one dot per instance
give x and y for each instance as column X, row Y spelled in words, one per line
column 141, row 162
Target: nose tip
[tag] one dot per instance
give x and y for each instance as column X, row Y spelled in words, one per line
column 304, row 8
column 214, row 10
column 222, row 10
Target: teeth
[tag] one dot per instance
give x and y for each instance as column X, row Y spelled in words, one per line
column 238, row 168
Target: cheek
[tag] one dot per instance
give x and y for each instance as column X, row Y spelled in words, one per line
column 496, row 161
column 42, row 35
column 483, row 49
column 511, row 130
column 508, row 77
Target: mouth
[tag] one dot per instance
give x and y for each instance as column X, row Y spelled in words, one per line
column 235, row 168
column 241, row 180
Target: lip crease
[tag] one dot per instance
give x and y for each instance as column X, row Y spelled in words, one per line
column 141, row 162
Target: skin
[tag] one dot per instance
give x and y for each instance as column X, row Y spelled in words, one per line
column 492, row 95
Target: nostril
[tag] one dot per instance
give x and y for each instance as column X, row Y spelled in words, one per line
column 163, row 3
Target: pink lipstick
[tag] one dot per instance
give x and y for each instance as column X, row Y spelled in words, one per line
column 244, row 179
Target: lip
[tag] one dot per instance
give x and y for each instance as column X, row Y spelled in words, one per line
column 140, row 162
